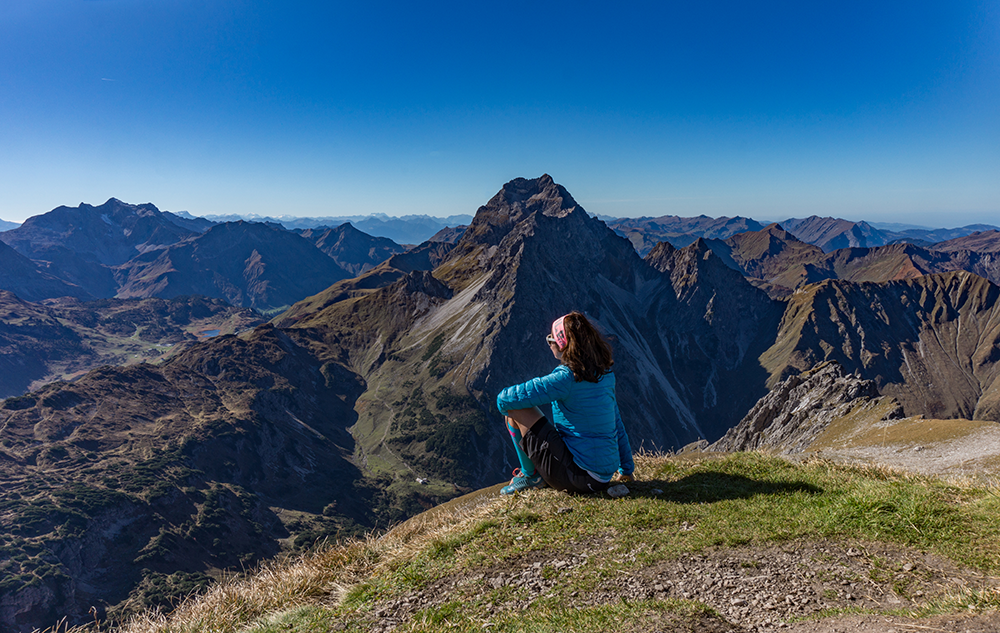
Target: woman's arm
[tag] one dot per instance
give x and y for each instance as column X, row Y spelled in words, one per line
column 537, row 391
column 624, row 447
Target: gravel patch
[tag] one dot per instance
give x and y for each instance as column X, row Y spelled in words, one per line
column 973, row 456
column 795, row 586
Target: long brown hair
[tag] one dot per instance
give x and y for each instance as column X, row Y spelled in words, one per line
column 587, row 354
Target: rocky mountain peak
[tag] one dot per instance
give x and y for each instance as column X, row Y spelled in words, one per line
column 541, row 191
column 660, row 255
column 775, row 230
column 534, row 220
column 690, row 261
column 515, row 201
column 119, row 208
column 353, row 249
column 801, row 407
column 766, row 243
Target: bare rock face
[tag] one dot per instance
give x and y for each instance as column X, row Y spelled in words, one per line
column 801, row 407
column 932, row 342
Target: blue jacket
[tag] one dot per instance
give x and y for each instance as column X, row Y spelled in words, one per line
column 585, row 414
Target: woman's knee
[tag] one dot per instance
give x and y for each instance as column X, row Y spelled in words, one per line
column 524, row 418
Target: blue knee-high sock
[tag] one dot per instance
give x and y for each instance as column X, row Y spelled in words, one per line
column 527, row 468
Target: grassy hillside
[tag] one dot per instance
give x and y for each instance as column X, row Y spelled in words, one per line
column 741, row 542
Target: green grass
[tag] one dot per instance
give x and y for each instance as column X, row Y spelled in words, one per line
column 622, row 617
column 676, row 510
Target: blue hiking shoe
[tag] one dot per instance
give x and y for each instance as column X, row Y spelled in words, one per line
column 520, row 482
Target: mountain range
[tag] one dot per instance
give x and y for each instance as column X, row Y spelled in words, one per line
column 406, row 229
column 114, row 249
column 828, row 234
column 775, row 260
column 136, row 251
column 645, row 233
column 373, row 397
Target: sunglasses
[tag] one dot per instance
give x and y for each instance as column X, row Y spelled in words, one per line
column 551, row 340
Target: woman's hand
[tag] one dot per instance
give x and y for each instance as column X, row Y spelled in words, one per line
column 621, row 478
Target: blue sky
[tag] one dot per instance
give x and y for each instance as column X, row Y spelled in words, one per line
column 886, row 111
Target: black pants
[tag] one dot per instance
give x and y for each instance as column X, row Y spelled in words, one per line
column 548, row 452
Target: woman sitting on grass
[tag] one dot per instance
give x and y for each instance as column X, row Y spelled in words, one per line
column 585, row 445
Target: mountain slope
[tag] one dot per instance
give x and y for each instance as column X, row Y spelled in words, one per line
column 20, row 275
column 833, row 233
column 932, row 342
column 982, row 242
column 424, row 257
column 247, row 264
column 707, row 544
column 133, row 480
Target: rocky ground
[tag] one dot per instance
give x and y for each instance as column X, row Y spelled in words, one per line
column 975, row 454
column 788, row 587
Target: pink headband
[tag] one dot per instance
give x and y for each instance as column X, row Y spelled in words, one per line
column 559, row 333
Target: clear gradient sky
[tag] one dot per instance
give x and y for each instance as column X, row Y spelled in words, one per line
column 886, row 111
